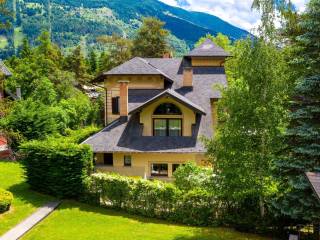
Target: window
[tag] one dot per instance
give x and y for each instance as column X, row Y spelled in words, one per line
column 159, row 169
column 108, row 159
column 115, row 105
column 175, row 167
column 127, row 161
column 167, row 109
column 167, row 127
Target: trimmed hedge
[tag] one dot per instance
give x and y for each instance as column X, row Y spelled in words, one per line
column 153, row 199
column 6, row 198
column 57, row 168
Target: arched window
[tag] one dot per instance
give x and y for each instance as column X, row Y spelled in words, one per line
column 166, row 126
column 167, row 109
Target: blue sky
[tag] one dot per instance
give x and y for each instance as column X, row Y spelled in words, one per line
column 236, row 12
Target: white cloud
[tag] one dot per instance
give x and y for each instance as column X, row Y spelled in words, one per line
column 236, row 12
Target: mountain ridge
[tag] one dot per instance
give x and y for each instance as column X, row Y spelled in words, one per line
column 82, row 21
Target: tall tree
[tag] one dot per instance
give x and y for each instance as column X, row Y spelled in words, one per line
column 93, row 62
column 221, row 40
column 76, row 63
column 252, row 117
column 119, row 50
column 303, row 136
column 151, row 39
column 5, row 23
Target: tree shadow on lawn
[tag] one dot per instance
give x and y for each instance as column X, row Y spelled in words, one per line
column 25, row 194
column 198, row 233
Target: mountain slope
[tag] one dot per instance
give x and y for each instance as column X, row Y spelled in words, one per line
column 82, row 21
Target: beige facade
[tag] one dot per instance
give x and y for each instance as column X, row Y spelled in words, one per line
column 207, row 62
column 188, row 117
column 141, row 163
column 112, row 86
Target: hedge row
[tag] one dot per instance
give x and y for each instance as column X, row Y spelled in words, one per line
column 153, row 199
column 6, row 198
column 57, row 168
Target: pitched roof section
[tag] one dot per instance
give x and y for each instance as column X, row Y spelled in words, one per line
column 208, row 49
column 176, row 96
column 314, row 179
column 136, row 66
column 4, row 69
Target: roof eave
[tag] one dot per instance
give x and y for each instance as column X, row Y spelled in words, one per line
column 133, row 111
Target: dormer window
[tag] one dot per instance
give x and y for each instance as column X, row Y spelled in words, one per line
column 167, row 109
column 165, row 126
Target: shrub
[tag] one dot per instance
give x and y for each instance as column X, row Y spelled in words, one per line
column 190, row 176
column 5, row 200
column 152, row 199
column 57, row 168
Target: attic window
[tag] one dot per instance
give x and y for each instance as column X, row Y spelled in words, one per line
column 167, row 109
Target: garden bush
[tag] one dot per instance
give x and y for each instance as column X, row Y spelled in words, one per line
column 5, row 200
column 152, row 199
column 57, row 168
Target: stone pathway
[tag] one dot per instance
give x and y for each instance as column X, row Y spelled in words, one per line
column 22, row 228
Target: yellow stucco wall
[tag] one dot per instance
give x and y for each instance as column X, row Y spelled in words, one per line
column 146, row 117
column 135, row 82
column 141, row 162
column 207, row 62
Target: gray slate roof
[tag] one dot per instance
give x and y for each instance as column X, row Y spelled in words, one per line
column 175, row 95
column 208, row 49
column 4, row 69
column 126, row 136
column 136, row 66
column 314, row 179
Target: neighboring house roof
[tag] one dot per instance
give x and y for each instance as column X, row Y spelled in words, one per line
column 208, row 49
column 136, row 66
column 4, row 69
column 126, row 136
column 314, row 179
column 173, row 94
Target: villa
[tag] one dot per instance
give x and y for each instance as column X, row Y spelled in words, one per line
column 157, row 110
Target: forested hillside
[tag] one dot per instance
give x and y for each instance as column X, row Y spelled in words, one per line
column 82, row 21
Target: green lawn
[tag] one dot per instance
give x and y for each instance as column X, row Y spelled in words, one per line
column 3, row 42
column 25, row 201
column 74, row 220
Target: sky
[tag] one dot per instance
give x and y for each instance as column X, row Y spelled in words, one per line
column 236, row 12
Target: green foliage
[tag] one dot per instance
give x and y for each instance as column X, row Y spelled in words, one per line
column 190, row 176
column 75, row 136
column 153, row 199
column 6, row 198
column 252, row 120
column 221, row 40
column 151, row 39
column 302, row 152
column 34, row 120
column 57, row 168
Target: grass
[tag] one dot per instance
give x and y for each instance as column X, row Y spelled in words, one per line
column 74, row 220
column 3, row 42
column 25, row 201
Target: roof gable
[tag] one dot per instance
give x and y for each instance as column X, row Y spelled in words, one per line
column 314, row 179
column 178, row 97
column 208, row 49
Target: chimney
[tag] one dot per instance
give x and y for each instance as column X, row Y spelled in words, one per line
column 187, row 77
column 124, row 98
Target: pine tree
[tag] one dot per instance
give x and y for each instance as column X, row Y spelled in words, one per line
column 76, row 63
column 302, row 153
column 93, row 62
column 151, row 39
column 25, row 49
